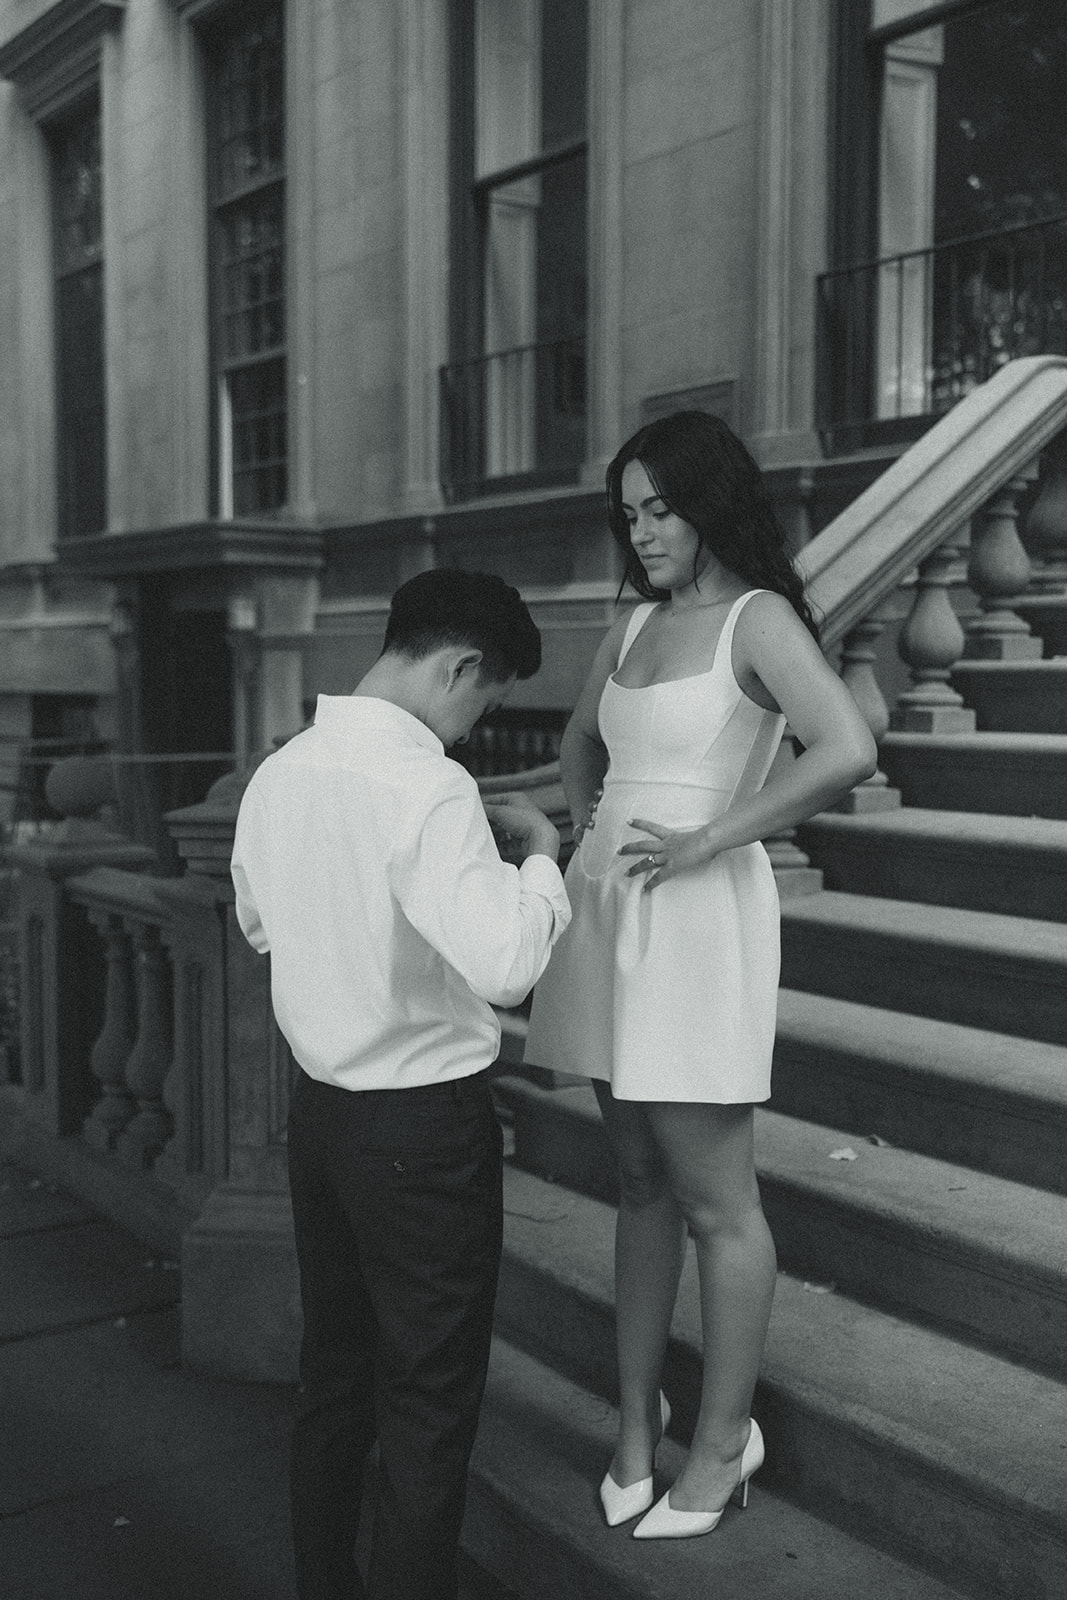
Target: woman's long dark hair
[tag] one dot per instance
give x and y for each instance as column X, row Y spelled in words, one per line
column 703, row 473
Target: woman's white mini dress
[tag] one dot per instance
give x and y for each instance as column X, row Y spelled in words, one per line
column 670, row 994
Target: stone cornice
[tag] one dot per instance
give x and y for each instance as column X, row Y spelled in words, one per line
column 200, row 10
column 562, row 511
column 55, row 60
column 279, row 547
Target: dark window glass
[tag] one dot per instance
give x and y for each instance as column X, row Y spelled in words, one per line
column 248, row 202
column 1001, row 118
column 513, row 398
column 79, row 321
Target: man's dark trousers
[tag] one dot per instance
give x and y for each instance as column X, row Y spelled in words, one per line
column 397, row 1206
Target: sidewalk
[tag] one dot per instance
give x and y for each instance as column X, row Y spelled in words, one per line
column 121, row 1476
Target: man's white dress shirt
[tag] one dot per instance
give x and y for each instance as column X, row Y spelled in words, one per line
column 365, row 865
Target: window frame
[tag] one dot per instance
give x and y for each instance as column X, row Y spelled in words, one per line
column 224, row 26
column 469, row 238
column 74, row 486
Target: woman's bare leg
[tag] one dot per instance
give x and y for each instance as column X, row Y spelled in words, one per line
column 650, row 1244
column 707, row 1150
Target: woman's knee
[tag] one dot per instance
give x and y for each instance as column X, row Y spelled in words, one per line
column 716, row 1216
column 642, row 1182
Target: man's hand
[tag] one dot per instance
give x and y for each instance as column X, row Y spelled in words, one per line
column 521, row 828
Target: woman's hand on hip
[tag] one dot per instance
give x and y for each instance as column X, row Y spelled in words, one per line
column 666, row 851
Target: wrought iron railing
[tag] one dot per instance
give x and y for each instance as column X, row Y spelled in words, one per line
column 512, row 418
column 512, row 739
column 903, row 338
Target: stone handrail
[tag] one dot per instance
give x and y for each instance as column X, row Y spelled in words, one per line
column 932, row 490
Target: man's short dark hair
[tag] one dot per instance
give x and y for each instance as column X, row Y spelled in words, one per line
column 447, row 607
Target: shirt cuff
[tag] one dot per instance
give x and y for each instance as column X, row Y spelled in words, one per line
column 540, row 875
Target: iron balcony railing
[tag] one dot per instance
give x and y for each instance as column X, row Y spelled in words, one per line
column 903, row 338
column 513, row 418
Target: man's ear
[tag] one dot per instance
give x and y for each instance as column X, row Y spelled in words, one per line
column 462, row 665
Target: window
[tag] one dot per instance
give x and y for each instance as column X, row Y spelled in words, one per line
column 78, row 258
column 247, row 197
column 513, row 397
column 966, row 255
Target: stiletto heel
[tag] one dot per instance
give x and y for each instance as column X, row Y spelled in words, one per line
column 622, row 1504
column 664, row 1522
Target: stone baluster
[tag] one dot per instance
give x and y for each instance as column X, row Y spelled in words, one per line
column 1045, row 607
column 793, row 871
column 931, row 642
column 148, row 1130
column 999, row 572
column 1046, row 528
column 112, row 1049
column 858, row 656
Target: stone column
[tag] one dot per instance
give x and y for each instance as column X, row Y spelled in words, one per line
column 424, row 199
column 240, row 1295
column 606, row 122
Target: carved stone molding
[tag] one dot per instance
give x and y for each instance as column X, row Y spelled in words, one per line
column 200, row 10
column 55, row 60
column 274, row 546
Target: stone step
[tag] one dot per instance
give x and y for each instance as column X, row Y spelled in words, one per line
column 974, row 1254
column 972, row 967
column 1010, row 774
column 985, row 1100
column 1016, row 866
column 534, row 1519
column 948, row 1455
column 1015, row 696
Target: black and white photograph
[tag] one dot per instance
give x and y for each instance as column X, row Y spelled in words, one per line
column 533, row 799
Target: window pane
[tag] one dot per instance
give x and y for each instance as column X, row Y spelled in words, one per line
column 995, row 166
column 77, row 187
column 81, row 460
column 564, row 30
column 249, row 250
column 251, row 100
column 253, row 312
column 80, row 386
column 257, row 397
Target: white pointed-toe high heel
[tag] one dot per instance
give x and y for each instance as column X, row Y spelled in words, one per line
column 622, row 1504
column 664, row 1522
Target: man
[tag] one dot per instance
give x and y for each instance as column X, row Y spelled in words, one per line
column 365, row 864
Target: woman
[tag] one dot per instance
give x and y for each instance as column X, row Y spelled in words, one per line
column 664, row 988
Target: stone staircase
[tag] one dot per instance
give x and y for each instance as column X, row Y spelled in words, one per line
column 913, row 1165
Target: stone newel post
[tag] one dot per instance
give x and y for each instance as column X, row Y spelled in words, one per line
column 240, row 1297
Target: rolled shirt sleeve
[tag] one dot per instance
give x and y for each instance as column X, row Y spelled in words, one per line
column 493, row 922
column 248, row 917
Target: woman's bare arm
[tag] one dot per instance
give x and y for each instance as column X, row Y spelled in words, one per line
column 583, row 758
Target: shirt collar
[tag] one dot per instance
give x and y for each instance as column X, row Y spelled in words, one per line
column 355, row 713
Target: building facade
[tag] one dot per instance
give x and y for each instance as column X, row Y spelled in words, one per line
column 300, row 297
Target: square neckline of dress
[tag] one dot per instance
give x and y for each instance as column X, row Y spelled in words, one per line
column 689, row 677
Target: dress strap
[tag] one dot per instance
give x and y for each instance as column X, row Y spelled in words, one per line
column 726, row 637
column 638, row 617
